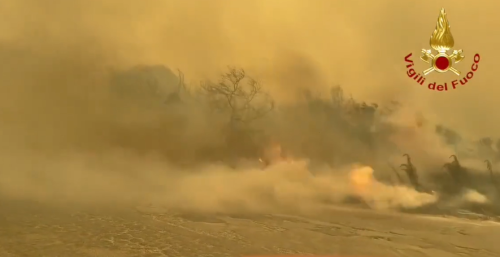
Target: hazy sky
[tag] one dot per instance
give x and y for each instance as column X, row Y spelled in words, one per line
column 287, row 44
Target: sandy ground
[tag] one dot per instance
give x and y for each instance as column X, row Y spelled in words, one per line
column 30, row 229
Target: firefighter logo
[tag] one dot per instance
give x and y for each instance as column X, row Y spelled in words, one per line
column 442, row 42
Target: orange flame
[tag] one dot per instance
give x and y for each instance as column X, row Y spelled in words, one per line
column 274, row 154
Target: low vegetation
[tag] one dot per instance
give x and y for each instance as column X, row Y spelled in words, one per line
column 335, row 130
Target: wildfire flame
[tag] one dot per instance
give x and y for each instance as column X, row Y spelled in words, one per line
column 274, row 154
column 442, row 39
column 362, row 180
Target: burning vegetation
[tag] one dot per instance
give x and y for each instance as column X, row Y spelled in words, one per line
column 336, row 131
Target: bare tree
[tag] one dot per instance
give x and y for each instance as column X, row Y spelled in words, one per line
column 456, row 171
column 411, row 172
column 239, row 94
column 492, row 174
column 243, row 100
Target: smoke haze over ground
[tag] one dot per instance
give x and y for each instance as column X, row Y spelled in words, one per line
column 72, row 132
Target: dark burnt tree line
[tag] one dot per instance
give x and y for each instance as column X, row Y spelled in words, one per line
column 242, row 100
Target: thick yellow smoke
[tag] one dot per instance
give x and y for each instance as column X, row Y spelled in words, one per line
column 380, row 196
column 64, row 140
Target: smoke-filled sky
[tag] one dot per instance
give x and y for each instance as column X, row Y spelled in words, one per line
column 357, row 44
column 55, row 57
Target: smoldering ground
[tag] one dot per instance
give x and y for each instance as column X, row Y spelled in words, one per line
column 67, row 135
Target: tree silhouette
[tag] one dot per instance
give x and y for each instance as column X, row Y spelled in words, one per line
column 240, row 95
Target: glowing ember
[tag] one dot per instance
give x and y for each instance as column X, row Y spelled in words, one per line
column 273, row 154
column 362, row 180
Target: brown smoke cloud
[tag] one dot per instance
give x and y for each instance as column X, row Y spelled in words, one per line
column 64, row 135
